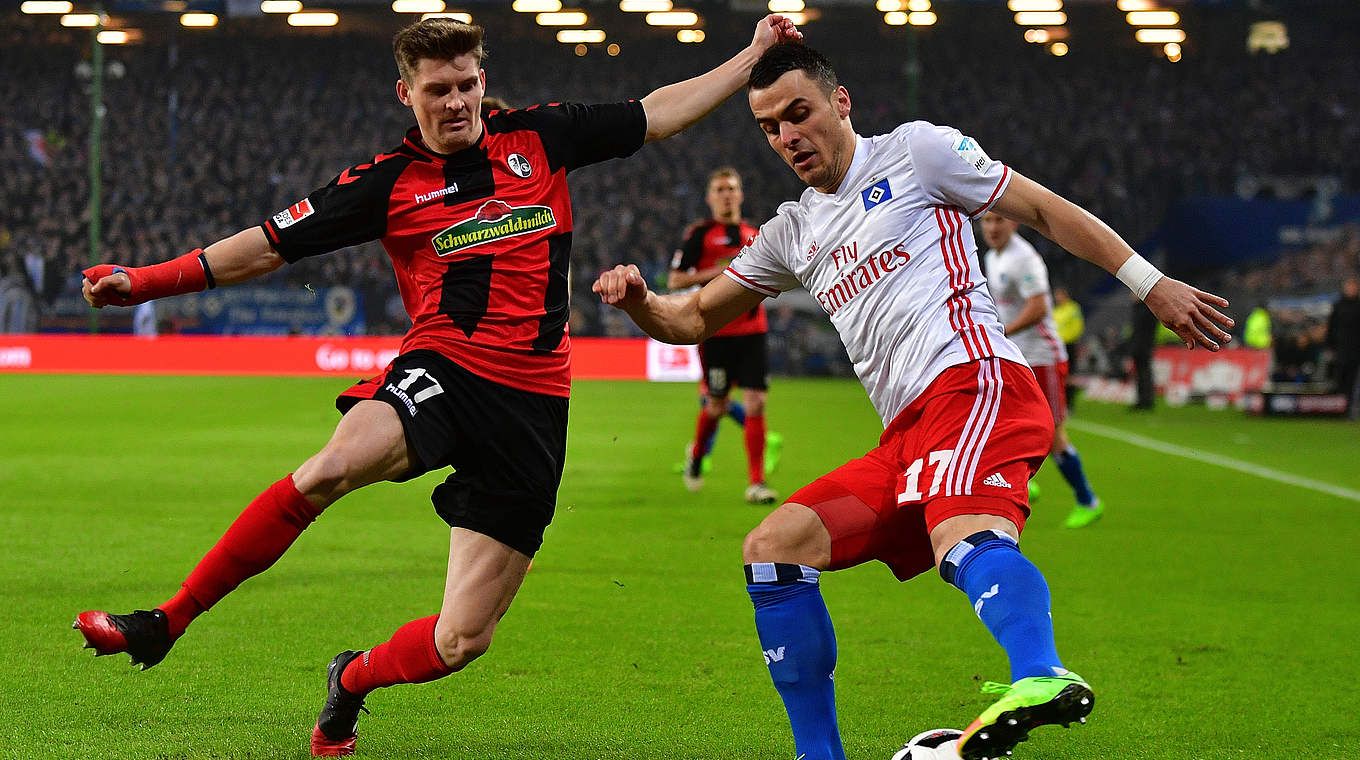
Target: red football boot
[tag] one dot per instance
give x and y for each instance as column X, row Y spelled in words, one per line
column 144, row 635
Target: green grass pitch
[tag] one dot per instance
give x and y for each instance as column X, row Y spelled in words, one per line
column 1213, row 611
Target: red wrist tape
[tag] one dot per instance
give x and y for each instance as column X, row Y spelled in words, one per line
column 183, row 274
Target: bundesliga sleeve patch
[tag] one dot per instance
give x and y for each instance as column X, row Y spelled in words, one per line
column 293, row 214
column 967, row 149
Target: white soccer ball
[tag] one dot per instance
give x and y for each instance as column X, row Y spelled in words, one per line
column 936, row 744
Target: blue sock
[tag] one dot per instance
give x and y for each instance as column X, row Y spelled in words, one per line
column 1069, row 464
column 1010, row 596
column 737, row 412
column 800, row 649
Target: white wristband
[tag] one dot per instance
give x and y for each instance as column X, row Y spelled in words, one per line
column 1138, row 275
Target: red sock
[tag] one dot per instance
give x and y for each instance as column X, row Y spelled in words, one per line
column 260, row 535
column 703, row 432
column 755, row 448
column 409, row 656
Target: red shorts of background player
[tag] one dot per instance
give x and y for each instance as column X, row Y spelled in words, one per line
column 1053, row 382
column 967, row 445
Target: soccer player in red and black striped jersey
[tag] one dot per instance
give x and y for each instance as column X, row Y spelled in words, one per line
column 736, row 353
column 476, row 217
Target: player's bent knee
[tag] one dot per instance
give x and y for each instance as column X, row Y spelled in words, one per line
column 792, row 534
column 324, row 477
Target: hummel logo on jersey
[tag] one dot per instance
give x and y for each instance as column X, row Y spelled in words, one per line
column 996, row 480
column 294, row 214
column 440, row 193
column 995, row 589
column 774, row 655
column 876, row 193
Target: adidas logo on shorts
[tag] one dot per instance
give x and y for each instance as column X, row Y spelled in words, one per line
column 996, row 480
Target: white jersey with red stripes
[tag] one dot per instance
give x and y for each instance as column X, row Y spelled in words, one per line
column 1015, row 274
column 890, row 257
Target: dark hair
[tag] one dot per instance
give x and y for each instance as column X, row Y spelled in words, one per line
column 439, row 39
column 784, row 57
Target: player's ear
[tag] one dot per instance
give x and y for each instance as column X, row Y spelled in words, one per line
column 842, row 101
column 482, row 74
column 403, row 93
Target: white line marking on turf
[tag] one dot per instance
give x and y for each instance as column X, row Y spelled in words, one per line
column 1211, row 458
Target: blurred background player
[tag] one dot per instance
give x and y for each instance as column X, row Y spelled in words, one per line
column 1018, row 281
column 1071, row 325
column 736, row 354
column 483, row 377
column 1343, row 340
column 881, row 239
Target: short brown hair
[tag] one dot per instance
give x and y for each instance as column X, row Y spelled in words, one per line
column 723, row 172
column 439, row 39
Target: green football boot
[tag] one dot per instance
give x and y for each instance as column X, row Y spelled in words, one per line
column 1026, row 705
column 1034, row 492
column 1081, row 516
column 774, row 447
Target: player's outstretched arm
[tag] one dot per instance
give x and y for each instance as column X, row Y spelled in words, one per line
column 679, row 318
column 674, row 107
column 1191, row 313
column 231, row 260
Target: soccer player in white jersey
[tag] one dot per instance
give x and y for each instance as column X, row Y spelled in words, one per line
column 1018, row 280
column 881, row 239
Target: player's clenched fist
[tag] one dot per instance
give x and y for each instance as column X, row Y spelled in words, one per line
column 775, row 28
column 106, row 284
column 621, row 287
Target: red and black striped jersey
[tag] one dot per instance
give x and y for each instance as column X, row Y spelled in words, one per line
column 479, row 239
column 710, row 243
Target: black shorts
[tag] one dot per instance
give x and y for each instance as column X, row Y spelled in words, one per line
column 506, row 445
column 736, row 359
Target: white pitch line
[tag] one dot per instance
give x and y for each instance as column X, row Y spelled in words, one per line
column 1211, row 458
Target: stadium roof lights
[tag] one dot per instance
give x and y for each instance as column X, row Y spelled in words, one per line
column 1159, row 36
column 645, row 6
column 114, row 37
column 1041, row 18
column 673, row 18
column 562, row 18
column 1153, row 18
column 313, row 18
column 537, row 6
column 889, row 6
column 280, row 6
column 786, row 6
column 462, row 16
column 579, row 36
column 1019, row 6
column 82, row 19
column 1136, row 5
column 690, row 35
column 418, row 6
column 46, row 6
column 198, row 20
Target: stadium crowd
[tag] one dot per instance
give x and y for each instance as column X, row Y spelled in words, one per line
column 208, row 133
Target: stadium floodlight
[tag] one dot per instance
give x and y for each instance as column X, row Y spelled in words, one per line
column 786, row 6
column 1041, row 18
column 462, row 16
column 1034, row 5
column 922, row 18
column 579, row 36
column 645, row 6
column 313, row 18
column 536, row 6
column 888, row 6
column 80, row 19
column 1159, row 36
column 918, row 6
column 613, row 49
column 418, row 6
column 1058, row 48
column 1173, row 51
column 198, row 20
column 673, row 18
column 1136, row 5
column 45, row 6
column 280, row 6
column 561, row 18
column 690, row 35
column 1039, row 36
column 113, row 37
column 1153, row 18
column 895, row 18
